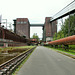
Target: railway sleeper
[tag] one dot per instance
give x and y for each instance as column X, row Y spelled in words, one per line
column 23, row 56
column 8, row 72
column 4, row 71
column 15, row 66
column 15, row 62
column 9, row 69
column 20, row 58
column 9, row 66
column 12, row 66
column 19, row 62
column 1, row 73
column 12, row 69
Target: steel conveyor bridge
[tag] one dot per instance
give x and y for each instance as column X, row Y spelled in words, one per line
column 69, row 9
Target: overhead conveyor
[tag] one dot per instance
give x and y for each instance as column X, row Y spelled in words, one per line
column 69, row 9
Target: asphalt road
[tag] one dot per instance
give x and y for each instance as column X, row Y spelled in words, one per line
column 44, row 61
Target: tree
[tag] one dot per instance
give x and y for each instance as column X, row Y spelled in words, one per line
column 65, row 26
column 35, row 36
column 58, row 35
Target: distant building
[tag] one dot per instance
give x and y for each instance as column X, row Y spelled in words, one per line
column 22, row 27
column 49, row 29
column 34, row 42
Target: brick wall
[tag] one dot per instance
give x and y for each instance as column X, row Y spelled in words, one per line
column 23, row 27
column 48, row 26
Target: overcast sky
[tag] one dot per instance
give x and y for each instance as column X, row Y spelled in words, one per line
column 34, row 10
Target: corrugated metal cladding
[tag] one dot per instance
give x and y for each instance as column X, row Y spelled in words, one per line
column 67, row 9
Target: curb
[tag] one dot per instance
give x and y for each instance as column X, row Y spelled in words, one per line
column 70, row 55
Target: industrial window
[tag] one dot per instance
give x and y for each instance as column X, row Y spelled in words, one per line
column 25, row 22
column 21, row 22
column 18, row 22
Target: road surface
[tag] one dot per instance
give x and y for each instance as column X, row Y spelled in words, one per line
column 44, row 61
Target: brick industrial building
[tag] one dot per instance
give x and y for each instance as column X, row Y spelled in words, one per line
column 22, row 28
column 49, row 29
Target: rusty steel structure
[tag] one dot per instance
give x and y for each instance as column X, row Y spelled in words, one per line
column 64, row 41
column 12, row 39
column 6, row 34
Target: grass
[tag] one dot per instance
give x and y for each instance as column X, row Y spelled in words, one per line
column 72, row 46
column 20, row 47
column 70, row 51
column 11, row 48
column 24, row 47
column 19, row 67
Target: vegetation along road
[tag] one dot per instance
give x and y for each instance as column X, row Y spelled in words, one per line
column 44, row 61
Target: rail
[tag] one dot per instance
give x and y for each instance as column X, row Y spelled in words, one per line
column 8, row 67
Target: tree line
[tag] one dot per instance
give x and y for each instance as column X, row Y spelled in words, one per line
column 67, row 28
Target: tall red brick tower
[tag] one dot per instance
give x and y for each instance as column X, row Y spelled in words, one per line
column 22, row 27
column 53, row 28
column 47, row 26
column 49, row 29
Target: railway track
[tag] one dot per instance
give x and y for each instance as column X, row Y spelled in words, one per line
column 8, row 67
